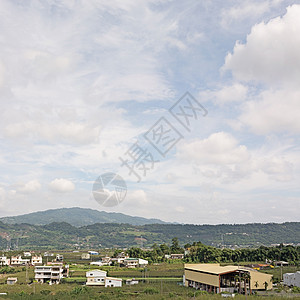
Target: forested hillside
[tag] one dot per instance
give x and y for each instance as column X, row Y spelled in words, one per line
column 77, row 216
column 63, row 235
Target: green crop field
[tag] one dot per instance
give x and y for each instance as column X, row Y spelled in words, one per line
column 157, row 281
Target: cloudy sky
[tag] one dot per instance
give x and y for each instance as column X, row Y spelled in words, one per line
column 81, row 82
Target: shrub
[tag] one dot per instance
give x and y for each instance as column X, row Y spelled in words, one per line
column 45, row 292
column 79, row 290
column 295, row 289
column 151, row 291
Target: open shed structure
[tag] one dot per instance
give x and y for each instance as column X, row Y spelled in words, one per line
column 217, row 279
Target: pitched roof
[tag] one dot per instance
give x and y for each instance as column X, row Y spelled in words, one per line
column 211, row 268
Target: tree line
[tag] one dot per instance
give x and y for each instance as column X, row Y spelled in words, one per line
column 197, row 252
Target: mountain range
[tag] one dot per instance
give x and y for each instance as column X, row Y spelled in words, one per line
column 77, row 217
column 79, row 228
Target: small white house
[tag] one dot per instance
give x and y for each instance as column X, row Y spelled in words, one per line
column 85, row 256
column 106, row 261
column 11, row 280
column 288, row 278
column 36, row 260
column 95, row 277
column 113, row 282
column 19, row 261
column 98, row 263
column 4, row 261
column 131, row 281
column 292, row 279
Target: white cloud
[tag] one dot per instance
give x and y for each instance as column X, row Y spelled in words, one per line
column 235, row 93
column 80, row 80
column 62, row 185
column 244, row 10
column 218, row 148
column 278, row 168
column 271, row 53
column 29, row 187
column 275, row 111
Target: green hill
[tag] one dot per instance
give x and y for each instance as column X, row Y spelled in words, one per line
column 77, row 217
column 61, row 235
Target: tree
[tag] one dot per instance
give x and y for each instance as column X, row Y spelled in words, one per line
column 165, row 249
column 266, row 285
column 175, row 248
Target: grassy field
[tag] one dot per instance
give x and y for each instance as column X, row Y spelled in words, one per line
column 154, row 290
column 158, row 281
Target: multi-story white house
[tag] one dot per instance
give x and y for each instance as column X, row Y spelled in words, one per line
column 50, row 273
column 59, row 257
column 36, row 260
column 98, row 277
column 4, row 261
column 95, row 277
column 120, row 258
column 19, row 261
column 135, row 262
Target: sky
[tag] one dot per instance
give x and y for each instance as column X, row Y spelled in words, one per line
column 85, row 86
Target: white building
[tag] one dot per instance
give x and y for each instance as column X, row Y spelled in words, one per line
column 98, row 263
column 113, row 282
column 4, row 261
column 95, row 277
column 106, row 261
column 135, row 262
column 52, row 273
column 131, row 281
column 11, row 280
column 120, row 258
column 99, row 278
column 19, row 261
column 85, row 256
column 59, row 257
column 292, row 279
column 36, row 260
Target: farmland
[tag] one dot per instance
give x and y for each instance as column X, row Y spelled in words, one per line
column 156, row 281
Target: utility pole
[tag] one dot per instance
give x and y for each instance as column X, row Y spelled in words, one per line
column 141, row 242
column 26, row 273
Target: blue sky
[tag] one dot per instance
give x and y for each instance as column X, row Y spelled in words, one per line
column 82, row 81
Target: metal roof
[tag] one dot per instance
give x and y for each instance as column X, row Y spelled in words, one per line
column 211, row 268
